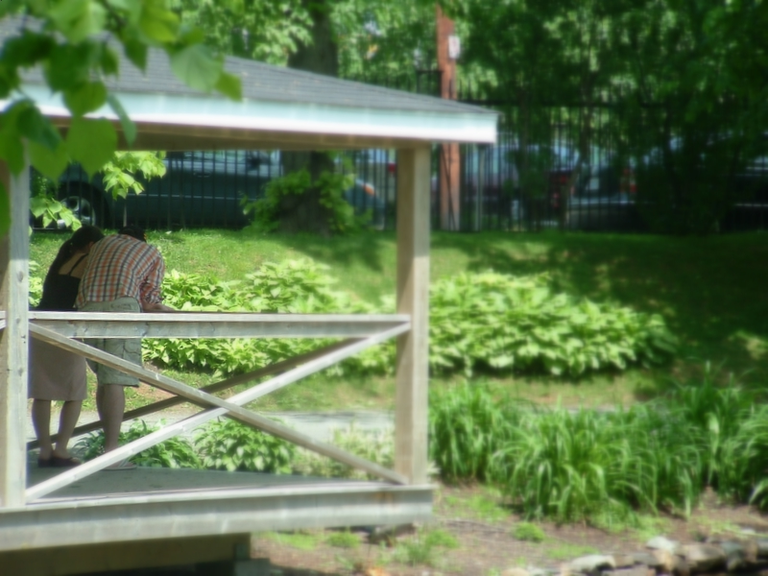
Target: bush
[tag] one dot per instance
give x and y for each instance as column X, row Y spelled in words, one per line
column 490, row 321
column 175, row 452
column 504, row 322
column 293, row 286
column 376, row 447
column 230, row 445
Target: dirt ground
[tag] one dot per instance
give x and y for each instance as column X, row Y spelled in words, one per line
column 486, row 540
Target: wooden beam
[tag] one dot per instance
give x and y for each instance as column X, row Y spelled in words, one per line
column 231, row 408
column 14, row 301
column 226, row 384
column 413, row 191
column 214, row 324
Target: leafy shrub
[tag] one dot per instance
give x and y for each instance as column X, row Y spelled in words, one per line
column 505, row 322
column 230, row 445
column 377, row 447
column 292, row 286
column 175, row 452
column 490, row 321
column 331, row 186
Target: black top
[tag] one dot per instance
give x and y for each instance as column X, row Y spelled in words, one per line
column 60, row 291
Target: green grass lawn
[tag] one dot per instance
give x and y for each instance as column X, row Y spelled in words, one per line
column 711, row 291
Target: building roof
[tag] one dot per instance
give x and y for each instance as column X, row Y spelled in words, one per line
column 281, row 108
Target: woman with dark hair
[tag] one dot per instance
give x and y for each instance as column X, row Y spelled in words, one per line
column 56, row 374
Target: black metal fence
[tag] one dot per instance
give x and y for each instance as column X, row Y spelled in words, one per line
column 562, row 170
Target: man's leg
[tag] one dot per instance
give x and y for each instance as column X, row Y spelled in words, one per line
column 111, row 410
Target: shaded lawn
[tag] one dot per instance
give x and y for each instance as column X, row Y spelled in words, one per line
column 711, row 290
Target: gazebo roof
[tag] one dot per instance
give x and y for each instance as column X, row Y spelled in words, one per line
column 280, row 108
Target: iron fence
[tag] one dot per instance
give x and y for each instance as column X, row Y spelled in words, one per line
column 553, row 167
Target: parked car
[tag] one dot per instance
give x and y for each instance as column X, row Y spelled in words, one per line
column 556, row 184
column 199, row 189
column 606, row 195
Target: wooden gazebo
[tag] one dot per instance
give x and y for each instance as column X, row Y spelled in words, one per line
column 94, row 521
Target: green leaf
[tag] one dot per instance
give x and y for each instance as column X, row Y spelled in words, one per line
column 196, row 67
column 28, row 49
column 110, row 63
column 91, row 143
column 157, row 23
column 32, row 125
column 77, row 19
column 50, row 163
column 229, row 85
column 87, row 97
column 129, row 128
column 68, row 66
column 136, row 52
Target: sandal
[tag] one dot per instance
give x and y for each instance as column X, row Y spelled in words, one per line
column 59, row 462
column 122, row 465
column 44, row 463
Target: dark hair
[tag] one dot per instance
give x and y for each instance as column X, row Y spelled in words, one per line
column 79, row 240
column 133, row 231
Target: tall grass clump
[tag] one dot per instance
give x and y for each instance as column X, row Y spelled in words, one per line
column 467, row 425
column 731, row 435
column 578, row 465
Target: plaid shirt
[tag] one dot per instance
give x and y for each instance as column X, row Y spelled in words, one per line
column 120, row 266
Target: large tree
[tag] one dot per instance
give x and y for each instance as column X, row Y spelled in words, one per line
column 686, row 78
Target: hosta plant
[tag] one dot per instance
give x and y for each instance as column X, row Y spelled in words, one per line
column 176, row 452
column 230, row 445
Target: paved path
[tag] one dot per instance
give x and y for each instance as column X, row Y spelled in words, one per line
column 316, row 424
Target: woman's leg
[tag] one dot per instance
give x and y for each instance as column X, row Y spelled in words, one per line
column 41, row 419
column 70, row 413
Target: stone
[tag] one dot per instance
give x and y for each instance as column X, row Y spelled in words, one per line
column 738, row 554
column 516, row 571
column 762, row 548
column 662, row 543
column 680, row 566
column 623, row 561
column 704, row 557
column 592, row 564
column 665, row 561
column 646, row 558
column 635, row 570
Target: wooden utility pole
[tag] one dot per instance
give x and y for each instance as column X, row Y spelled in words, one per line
column 447, row 52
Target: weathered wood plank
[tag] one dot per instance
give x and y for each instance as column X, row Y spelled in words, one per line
column 412, row 370
column 281, row 505
column 14, row 301
column 231, row 408
column 214, row 324
column 275, row 368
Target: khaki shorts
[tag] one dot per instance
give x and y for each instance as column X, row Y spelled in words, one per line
column 126, row 348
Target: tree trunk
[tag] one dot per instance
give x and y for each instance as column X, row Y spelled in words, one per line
column 304, row 212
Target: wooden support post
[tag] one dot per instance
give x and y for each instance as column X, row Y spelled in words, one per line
column 413, row 182
column 14, row 295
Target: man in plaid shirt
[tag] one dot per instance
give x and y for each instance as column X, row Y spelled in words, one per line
column 123, row 274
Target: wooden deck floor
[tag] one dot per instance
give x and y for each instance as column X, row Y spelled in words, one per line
column 152, row 503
